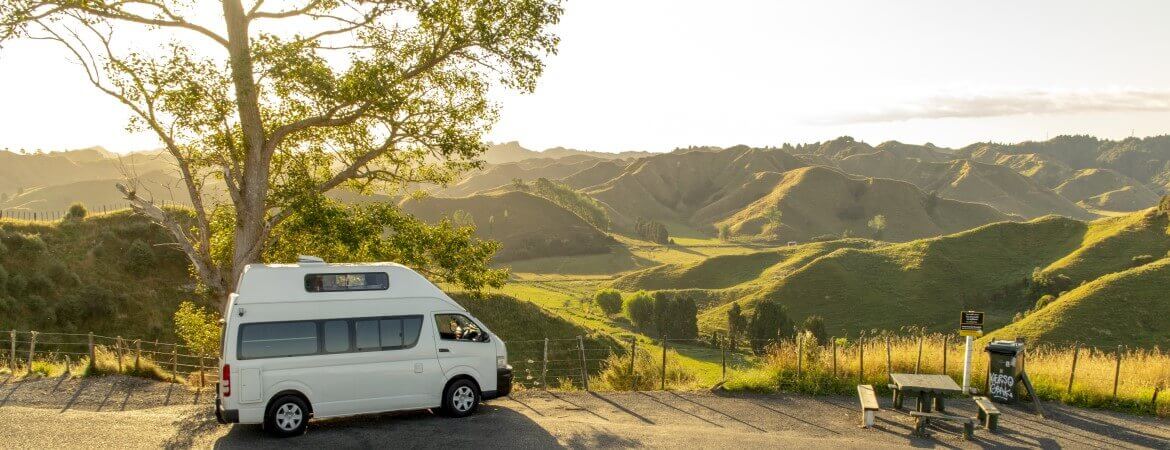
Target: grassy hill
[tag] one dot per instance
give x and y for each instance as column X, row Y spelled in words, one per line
column 969, row 181
column 921, row 282
column 726, row 271
column 674, row 186
column 95, row 193
column 1108, row 190
column 22, row 172
column 494, row 176
column 112, row 274
column 1124, row 308
column 1110, row 244
column 816, row 201
column 528, row 226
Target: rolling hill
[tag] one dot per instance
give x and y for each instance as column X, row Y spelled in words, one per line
column 817, row 201
column 1108, row 190
column 494, row 176
column 969, row 181
column 1123, row 308
column 528, row 226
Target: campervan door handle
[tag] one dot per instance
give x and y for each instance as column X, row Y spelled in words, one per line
column 444, row 350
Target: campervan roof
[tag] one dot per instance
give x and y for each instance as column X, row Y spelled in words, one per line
column 268, row 283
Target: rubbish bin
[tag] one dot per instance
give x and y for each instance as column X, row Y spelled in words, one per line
column 1005, row 370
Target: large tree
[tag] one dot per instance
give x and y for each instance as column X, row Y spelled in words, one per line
column 282, row 102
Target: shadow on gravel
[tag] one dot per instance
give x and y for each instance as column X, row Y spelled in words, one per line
column 419, row 429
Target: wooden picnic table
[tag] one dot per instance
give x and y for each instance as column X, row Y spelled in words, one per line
column 928, row 389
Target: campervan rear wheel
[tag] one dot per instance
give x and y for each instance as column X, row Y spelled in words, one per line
column 287, row 416
column 461, row 398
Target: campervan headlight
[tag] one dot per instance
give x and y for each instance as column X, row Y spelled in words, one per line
column 501, row 362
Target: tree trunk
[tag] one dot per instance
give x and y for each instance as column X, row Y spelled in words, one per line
column 251, row 203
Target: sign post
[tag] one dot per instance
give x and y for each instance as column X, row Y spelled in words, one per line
column 970, row 326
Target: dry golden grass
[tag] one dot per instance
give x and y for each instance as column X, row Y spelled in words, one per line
column 1141, row 371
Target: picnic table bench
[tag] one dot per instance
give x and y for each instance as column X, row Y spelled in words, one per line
column 927, row 389
column 922, row 419
column 869, row 404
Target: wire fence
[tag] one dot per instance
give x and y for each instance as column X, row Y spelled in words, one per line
column 1080, row 374
column 37, row 215
column 28, row 352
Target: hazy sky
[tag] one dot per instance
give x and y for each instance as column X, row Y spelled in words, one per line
column 654, row 75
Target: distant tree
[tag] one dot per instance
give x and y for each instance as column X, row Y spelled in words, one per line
column 662, row 311
column 773, row 215
column 769, row 324
column 651, row 231
column 736, row 323
column 640, row 310
column 724, row 231
column 815, row 325
column 878, row 225
column 198, row 328
column 462, row 218
column 1164, row 205
column 3, row 280
column 76, row 212
column 519, row 184
column 610, row 300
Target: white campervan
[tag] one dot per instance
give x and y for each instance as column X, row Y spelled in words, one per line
column 317, row 340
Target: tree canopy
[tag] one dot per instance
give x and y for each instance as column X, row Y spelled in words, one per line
column 283, row 102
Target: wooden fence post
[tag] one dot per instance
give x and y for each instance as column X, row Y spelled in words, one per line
column 724, row 361
column 92, row 352
column 544, row 367
column 12, row 350
column 174, row 363
column 1073, row 371
column 1154, row 400
column 834, row 357
column 664, row 344
column 918, row 363
column 889, row 359
column 118, row 352
column 1117, row 372
column 584, row 366
column 861, row 359
column 946, row 343
column 201, row 381
column 32, row 347
column 633, row 358
column 137, row 354
column 799, row 356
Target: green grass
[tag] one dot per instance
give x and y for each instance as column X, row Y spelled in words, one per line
column 1110, row 244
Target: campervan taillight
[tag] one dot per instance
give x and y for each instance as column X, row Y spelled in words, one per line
column 226, row 380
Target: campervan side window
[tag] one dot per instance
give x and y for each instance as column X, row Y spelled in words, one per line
column 272, row 340
column 300, row 338
column 347, row 282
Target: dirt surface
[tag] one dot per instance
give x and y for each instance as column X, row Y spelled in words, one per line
column 124, row 412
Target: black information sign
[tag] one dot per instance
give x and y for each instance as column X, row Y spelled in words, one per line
column 971, row 323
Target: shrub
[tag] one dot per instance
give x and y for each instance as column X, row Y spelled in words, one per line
column 139, row 257
column 736, row 323
column 17, row 284
column 40, row 283
column 769, row 324
column 76, row 212
column 675, row 316
column 3, row 281
column 640, row 310
column 815, row 325
column 198, row 328
column 1044, row 300
column 647, row 371
column 1142, row 260
column 609, row 300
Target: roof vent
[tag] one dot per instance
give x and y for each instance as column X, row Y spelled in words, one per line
column 306, row 259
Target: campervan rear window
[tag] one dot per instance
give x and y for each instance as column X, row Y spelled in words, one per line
column 347, row 282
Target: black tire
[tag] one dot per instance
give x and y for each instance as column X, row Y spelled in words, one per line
column 287, row 416
column 461, row 398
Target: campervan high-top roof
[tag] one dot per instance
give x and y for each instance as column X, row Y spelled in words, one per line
column 270, row 283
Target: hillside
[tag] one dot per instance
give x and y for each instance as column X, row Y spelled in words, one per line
column 1146, row 160
column 528, row 226
column 676, row 185
column 817, row 201
column 1110, row 244
column 922, row 282
column 494, row 176
column 112, row 274
column 507, row 152
column 1107, row 190
column 22, row 172
column 96, row 193
column 725, row 271
column 1124, row 308
column 997, row 186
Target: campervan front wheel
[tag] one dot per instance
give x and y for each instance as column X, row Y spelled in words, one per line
column 461, row 398
column 287, row 416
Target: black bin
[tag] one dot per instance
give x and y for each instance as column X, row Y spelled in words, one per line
column 1005, row 370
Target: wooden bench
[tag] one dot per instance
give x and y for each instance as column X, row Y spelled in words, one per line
column 869, row 404
column 897, row 395
column 921, row 419
column 988, row 413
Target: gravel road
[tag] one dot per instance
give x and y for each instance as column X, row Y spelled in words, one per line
column 116, row 412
